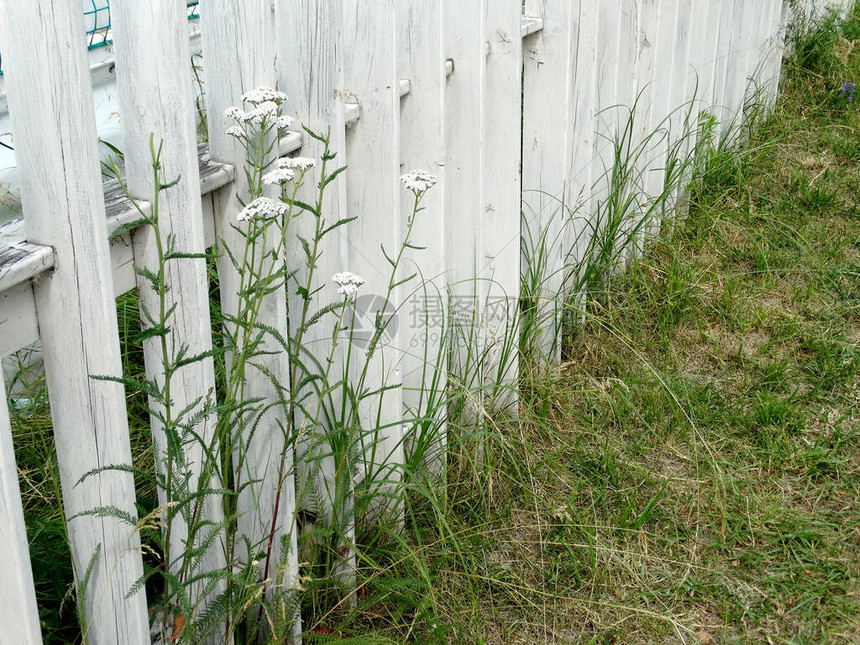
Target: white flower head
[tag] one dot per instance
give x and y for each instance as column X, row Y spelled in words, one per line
column 234, row 113
column 235, row 131
column 278, row 176
column 348, row 283
column 297, row 163
column 263, row 208
column 283, row 122
column 419, row 181
column 264, row 95
column 265, row 110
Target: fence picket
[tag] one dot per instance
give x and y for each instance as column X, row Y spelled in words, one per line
column 373, row 194
column 421, row 61
column 309, row 47
column 152, row 51
column 499, row 215
column 239, row 57
column 581, row 159
column 50, row 98
column 549, row 194
column 18, row 612
column 464, row 46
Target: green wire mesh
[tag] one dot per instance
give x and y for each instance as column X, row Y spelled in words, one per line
column 97, row 21
column 98, row 24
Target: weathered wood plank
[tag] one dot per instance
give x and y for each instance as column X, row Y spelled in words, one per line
column 240, row 57
column 581, row 159
column 19, row 614
column 499, row 215
column 50, row 100
column 373, row 193
column 421, row 58
column 550, row 196
column 21, row 261
column 152, row 51
column 309, row 45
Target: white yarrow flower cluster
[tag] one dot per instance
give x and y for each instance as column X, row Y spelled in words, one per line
column 235, row 131
column 264, row 95
column 297, row 163
column 419, row 181
column 278, row 176
column 263, row 208
column 348, row 283
column 265, row 110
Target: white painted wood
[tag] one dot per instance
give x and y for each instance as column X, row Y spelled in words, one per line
column 19, row 326
column 774, row 48
column 655, row 78
column 421, row 58
column 464, row 189
column 723, row 57
column 549, row 57
column 50, row 101
column 499, row 259
column 18, row 612
column 559, row 72
column 711, row 54
column 152, row 51
column 581, row 155
column 374, row 196
column 606, row 98
column 239, row 54
column 309, row 47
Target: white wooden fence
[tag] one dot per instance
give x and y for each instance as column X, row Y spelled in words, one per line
column 507, row 104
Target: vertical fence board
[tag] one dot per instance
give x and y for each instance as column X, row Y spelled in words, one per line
column 18, row 612
column 723, row 57
column 499, row 217
column 606, row 120
column 654, row 83
column 152, row 51
column 421, row 60
column 239, row 57
column 774, row 47
column 463, row 195
column 580, row 160
column 550, row 61
column 47, row 77
column 373, row 196
column 309, row 46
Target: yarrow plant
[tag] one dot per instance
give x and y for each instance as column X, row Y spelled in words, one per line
column 325, row 408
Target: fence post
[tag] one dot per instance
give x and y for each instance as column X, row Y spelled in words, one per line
column 373, row 195
column 239, row 57
column 50, row 101
column 421, row 63
column 18, row 612
column 153, row 62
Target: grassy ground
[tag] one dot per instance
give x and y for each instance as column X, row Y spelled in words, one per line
column 691, row 475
